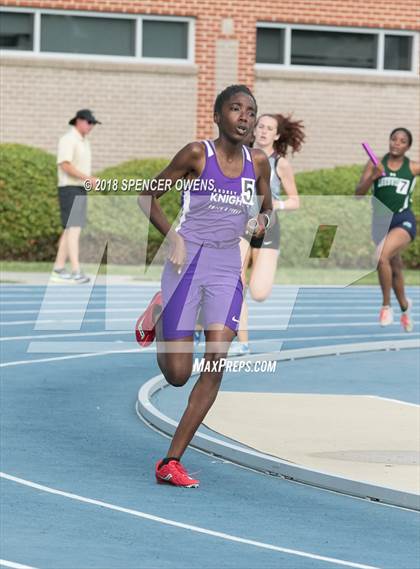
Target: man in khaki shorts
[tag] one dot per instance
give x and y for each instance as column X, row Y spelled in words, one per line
column 74, row 169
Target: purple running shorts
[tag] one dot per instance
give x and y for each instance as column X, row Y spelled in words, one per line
column 210, row 284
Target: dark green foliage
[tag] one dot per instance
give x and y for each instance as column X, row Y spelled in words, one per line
column 115, row 217
column 30, row 222
column 342, row 181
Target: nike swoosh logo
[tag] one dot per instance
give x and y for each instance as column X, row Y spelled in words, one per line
column 167, row 477
column 140, row 328
column 235, row 319
column 267, row 242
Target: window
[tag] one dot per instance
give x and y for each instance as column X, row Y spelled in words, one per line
column 75, row 34
column 321, row 47
column 16, row 31
column 333, row 49
column 96, row 34
column 165, row 39
column 270, row 45
column 398, row 50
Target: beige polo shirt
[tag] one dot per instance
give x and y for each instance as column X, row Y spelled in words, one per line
column 73, row 148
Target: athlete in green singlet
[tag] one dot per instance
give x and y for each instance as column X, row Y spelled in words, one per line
column 393, row 182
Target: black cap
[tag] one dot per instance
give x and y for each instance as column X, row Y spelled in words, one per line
column 85, row 114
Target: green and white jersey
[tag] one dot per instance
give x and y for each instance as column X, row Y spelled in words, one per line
column 395, row 189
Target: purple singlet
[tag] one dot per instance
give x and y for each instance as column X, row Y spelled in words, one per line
column 215, row 211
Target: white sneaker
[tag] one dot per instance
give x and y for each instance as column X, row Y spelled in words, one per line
column 197, row 337
column 406, row 320
column 239, row 349
column 386, row 316
column 79, row 278
column 60, row 276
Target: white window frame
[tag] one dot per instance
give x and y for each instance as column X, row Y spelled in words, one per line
column 414, row 56
column 380, row 55
column 190, row 37
column 138, row 25
column 23, row 11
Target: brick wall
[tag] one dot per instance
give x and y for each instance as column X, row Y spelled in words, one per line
column 218, row 24
column 402, row 14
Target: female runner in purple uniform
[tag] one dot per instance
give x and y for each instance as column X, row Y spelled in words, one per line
column 203, row 270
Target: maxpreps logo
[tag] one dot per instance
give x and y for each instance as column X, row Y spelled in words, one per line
column 234, row 366
column 229, row 197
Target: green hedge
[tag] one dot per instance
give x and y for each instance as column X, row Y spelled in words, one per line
column 30, row 222
column 341, row 181
column 31, row 226
column 115, row 217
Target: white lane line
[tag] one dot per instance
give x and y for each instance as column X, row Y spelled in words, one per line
column 267, row 306
column 136, row 298
column 146, row 288
column 4, row 563
column 130, row 331
column 280, row 290
column 138, row 283
column 83, row 347
column 281, row 323
column 285, row 339
column 69, row 310
column 70, row 321
column 120, row 349
column 189, row 527
column 67, row 335
column 254, row 314
column 131, row 322
column 262, row 312
column 322, row 325
column 416, row 405
column 135, row 301
column 255, row 309
column 64, row 301
column 54, row 359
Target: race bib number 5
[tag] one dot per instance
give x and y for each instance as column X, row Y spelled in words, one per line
column 248, row 191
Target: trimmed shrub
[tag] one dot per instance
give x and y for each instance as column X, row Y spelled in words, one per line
column 31, row 223
column 115, row 217
column 30, row 220
column 341, row 181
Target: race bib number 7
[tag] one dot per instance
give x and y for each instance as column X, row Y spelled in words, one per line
column 402, row 187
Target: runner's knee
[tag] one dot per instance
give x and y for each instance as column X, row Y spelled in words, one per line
column 383, row 260
column 177, row 373
column 396, row 264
